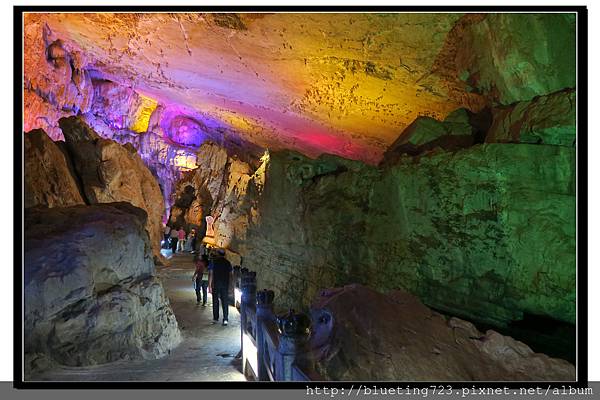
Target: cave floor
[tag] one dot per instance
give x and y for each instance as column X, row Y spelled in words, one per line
column 206, row 353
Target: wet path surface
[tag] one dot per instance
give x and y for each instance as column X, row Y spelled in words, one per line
column 206, row 353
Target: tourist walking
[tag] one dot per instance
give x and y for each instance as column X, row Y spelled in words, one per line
column 192, row 238
column 180, row 240
column 174, row 237
column 200, row 283
column 188, row 241
column 166, row 233
column 220, row 276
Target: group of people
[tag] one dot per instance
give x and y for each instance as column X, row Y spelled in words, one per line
column 178, row 241
column 214, row 274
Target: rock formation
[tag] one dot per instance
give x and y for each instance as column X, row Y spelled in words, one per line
column 544, row 120
column 360, row 334
column 322, row 83
column 90, row 293
column 56, row 82
column 111, row 172
column 222, row 187
column 460, row 129
column 49, row 180
column 513, row 57
column 486, row 232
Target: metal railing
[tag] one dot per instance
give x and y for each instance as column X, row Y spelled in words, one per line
column 274, row 348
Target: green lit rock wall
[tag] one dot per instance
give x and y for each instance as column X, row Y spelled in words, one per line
column 487, row 233
column 515, row 57
column 544, row 120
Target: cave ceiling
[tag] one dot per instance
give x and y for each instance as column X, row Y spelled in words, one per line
column 346, row 84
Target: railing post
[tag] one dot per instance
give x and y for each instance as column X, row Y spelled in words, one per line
column 264, row 313
column 248, row 287
column 237, row 290
column 295, row 331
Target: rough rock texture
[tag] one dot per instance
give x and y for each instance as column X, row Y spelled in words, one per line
column 362, row 334
column 322, row 83
column 121, row 107
column 512, row 57
column 460, row 129
column 223, row 187
column 49, row 180
column 55, row 80
column 486, row 232
column 545, row 119
column 90, row 294
column 112, row 172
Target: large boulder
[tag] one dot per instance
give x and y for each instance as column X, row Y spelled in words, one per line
column 49, row 180
column 90, row 293
column 460, row 129
column 359, row 333
column 111, row 172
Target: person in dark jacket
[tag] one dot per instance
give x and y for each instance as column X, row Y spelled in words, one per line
column 200, row 284
column 220, row 277
column 174, row 237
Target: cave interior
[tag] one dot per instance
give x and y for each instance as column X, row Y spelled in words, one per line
column 412, row 175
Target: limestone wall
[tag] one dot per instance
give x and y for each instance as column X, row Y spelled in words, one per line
column 486, row 232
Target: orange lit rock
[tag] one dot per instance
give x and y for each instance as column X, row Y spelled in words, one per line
column 112, row 172
column 320, row 83
column 49, row 180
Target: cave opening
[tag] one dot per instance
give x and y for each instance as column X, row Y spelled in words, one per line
column 418, row 212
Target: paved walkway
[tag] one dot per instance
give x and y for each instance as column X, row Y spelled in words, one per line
column 207, row 352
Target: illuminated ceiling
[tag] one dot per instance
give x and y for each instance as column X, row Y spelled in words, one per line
column 346, row 84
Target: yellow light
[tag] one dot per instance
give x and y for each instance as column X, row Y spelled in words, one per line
column 250, row 353
column 184, row 161
column 261, row 171
column 142, row 117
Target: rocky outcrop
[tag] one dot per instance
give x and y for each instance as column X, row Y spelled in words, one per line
column 121, row 107
column 347, row 90
column 198, row 191
column 544, row 120
column 90, row 292
column 55, row 80
column 49, row 180
column 487, row 232
column 511, row 57
column 112, row 172
column 221, row 186
column 359, row 333
column 460, row 129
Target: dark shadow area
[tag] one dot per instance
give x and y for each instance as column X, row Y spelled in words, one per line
column 544, row 335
